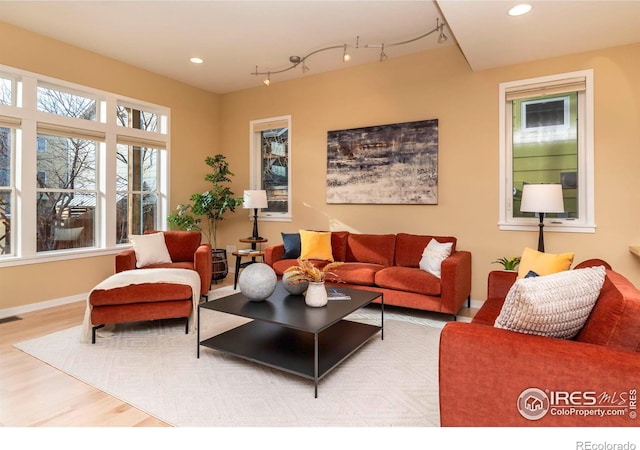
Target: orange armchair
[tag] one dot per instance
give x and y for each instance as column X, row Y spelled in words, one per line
column 186, row 251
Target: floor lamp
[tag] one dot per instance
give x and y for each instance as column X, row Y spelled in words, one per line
column 255, row 199
column 541, row 199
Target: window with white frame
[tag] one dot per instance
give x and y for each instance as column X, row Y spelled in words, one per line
column 270, row 161
column 90, row 167
column 546, row 136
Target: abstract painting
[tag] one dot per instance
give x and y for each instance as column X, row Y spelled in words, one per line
column 384, row 164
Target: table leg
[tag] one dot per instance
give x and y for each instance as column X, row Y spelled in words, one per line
column 198, row 335
column 235, row 279
column 315, row 363
column 382, row 318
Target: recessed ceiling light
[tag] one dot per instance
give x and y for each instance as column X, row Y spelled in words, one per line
column 519, row 10
column 196, row 60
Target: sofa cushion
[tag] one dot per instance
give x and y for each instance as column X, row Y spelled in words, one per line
column 408, row 279
column 315, row 245
column 433, row 255
column 543, row 263
column 339, row 245
column 556, row 305
column 182, row 245
column 292, row 244
column 150, row 249
column 409, row 248
column 615, row 320
column 371, row 248
column 362, row 274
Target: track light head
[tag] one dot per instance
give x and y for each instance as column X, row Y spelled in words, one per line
column 442, row 38
column 383, row 55
column 267, row 81
column 346, row 57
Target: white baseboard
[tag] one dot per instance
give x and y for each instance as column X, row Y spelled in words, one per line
column 8, row 312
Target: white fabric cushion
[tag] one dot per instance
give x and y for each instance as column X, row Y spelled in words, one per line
column 150, row 249
column 433, row 255
column 556, row 305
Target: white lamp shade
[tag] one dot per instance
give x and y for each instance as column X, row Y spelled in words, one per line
column 542, row 198
column 255, row 199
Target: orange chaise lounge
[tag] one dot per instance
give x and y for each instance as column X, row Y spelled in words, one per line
column 159, row 294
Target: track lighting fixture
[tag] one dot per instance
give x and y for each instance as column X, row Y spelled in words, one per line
column 346, row 57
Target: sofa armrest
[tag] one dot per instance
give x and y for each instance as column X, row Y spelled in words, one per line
column 455, row 276
column 202, row 263
column 483, row 371
column 499, row 282
column 126, row 260
column 273, row 253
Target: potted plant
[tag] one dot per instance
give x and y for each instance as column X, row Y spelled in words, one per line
column 508, row 263
column 210, row 205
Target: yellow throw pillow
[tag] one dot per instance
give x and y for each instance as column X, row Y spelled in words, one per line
column 315, row 245
column 543, row 263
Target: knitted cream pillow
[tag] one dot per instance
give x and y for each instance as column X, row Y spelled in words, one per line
column 556, row 305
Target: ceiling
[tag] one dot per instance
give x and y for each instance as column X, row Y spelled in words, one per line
column 233, row 37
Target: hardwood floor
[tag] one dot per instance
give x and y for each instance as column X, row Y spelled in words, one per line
column 34, row 394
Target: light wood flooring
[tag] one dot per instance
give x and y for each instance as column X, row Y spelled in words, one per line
column 34, row 394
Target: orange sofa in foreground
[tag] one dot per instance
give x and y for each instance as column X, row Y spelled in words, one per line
column 488, row 375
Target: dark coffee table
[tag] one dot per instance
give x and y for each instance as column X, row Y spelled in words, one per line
column 287, row 334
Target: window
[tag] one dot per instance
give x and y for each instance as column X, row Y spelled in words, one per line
column 270, row 162
column 7, row 188
column 90, row 167
column 546, row 136
column 137, row 190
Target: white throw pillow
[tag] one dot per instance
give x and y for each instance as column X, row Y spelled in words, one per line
column 150, row 249
column 433, row 255
column 556, row 305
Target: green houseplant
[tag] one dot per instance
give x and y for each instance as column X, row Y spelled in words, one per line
column 508, row 263
column 210, row 205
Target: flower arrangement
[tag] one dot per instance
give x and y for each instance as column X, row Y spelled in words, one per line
column 306, row 271
column 508, row 263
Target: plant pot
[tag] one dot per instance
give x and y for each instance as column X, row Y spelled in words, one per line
column 316, row 295
column 219, row 263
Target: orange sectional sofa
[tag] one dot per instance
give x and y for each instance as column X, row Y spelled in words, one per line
column 486, row 373
column 389, row 263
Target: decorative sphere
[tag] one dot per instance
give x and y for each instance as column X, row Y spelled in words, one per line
column 257, row 281
column 294, row 284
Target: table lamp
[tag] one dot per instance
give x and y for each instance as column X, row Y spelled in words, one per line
column 541, row 199
column 255, row 199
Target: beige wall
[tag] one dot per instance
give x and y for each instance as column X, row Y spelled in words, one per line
column 439, row 84
column 195, row 134
column 435, row 84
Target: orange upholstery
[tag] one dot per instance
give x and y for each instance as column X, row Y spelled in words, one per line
column 390, row 264
column 483, row 371
column 152, row 301
column 186, row 251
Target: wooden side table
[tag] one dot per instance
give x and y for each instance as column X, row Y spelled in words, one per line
column 253, row 241
column 241, row 265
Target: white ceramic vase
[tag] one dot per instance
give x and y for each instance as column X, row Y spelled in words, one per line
column 316, row 295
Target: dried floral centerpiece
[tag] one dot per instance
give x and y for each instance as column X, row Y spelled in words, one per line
column 306, row 271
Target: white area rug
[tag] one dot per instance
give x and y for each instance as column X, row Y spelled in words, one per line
column 153, row 366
